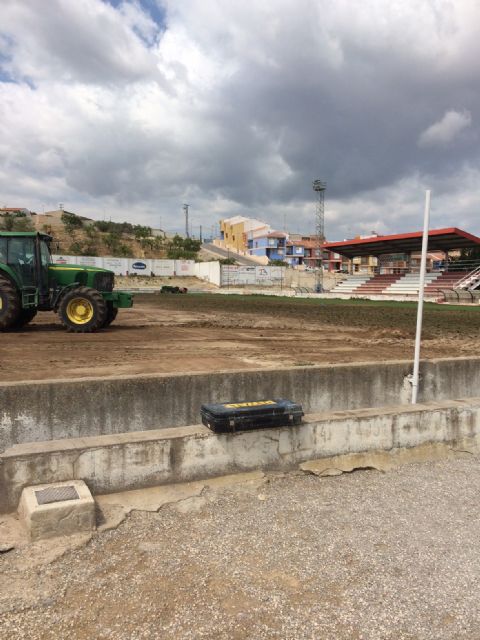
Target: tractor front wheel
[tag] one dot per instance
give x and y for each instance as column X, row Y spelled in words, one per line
column 82, row 310
column 10, row 304
column 111, row 314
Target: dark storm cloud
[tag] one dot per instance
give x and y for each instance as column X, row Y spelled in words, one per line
column 241, row 105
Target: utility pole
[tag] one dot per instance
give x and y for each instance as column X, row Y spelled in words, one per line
column 319, row 188
column 185, row 208
column 201, row 239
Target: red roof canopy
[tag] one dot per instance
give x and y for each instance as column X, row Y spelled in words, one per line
column 438, row 240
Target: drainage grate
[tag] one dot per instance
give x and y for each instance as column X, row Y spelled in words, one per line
column 56, row 494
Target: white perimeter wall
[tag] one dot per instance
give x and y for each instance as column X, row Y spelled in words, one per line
column 126, row 266
column 213, row 272
column 208, row 271
column 239, row 275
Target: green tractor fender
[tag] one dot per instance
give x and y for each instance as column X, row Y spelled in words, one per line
column 57, row 298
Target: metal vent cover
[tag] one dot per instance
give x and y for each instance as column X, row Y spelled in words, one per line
column 56, row 494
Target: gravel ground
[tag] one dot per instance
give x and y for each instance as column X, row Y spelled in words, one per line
column 363, row 555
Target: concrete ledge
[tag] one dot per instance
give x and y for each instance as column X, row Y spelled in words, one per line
column 53, row 409
column 120, row 462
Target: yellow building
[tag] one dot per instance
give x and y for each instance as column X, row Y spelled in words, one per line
column 235, row 232
column 231, row 233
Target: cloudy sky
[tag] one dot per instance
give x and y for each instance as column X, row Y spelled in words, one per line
column 130, row 108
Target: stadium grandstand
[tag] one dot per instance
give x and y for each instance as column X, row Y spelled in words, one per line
column 453, row 264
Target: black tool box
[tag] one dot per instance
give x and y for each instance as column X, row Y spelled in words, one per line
column 240, row 416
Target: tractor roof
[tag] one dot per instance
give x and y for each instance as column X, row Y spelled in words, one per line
column 24, row 234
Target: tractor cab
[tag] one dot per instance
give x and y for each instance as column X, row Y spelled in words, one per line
column 26, row 258
column 29, row 282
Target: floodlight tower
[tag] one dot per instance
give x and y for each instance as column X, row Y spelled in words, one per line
column 185, row 208
column 319, row 188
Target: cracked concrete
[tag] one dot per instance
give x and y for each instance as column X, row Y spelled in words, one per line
column 128, row 461
column 113, row 508
column 189, row 497
column 387, row 460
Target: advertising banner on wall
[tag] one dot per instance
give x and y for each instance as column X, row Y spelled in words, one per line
column 163, row 267
column 129, row 266
column 241, row 275
column 184, row 267
column 140, row 266
column 119, row 266
column 89, row 261
column 63, row 259
column 83, row 261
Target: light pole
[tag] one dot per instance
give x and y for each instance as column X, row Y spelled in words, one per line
column 319, row 188
column 185, row 208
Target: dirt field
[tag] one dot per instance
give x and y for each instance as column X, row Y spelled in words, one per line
column 203, row 332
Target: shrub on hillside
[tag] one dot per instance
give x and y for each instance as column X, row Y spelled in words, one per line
column 71, row 221
column 141, row 231
column 16, row 222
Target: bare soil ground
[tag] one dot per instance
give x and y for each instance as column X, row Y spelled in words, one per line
column 206, row 332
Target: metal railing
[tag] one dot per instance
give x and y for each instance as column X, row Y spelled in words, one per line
column 472, row 278
column 460, row 295
column 438, row 267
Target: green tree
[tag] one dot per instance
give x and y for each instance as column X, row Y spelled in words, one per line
column 91, row 231
column 102, row 225
column 76, row 248
column 123, row 251
column 71, row 221
column 16, row 222
column 183, row 248
column 8, row 222
column 112, row 241
column 141, row 231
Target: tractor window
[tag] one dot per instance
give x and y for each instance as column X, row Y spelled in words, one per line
column 45, row 260
column 44, row 254
column 21, row 259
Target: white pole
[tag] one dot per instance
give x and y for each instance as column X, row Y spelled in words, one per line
column 423, row 265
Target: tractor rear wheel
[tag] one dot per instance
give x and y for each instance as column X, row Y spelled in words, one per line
column 10, row 304
column 111, row 314
column 24, row 317
column 82, row 310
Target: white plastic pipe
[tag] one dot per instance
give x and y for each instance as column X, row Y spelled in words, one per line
column 421, row 291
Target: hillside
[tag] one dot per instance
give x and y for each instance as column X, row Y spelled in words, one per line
column 77, row 235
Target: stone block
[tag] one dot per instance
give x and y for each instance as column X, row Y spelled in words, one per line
column 58, row 509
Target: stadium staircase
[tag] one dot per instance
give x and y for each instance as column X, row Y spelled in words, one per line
column 350, row 284
column 378, row 283
column 408, row 284
column 470, row 281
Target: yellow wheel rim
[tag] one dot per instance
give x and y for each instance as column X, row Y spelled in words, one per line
column 80, row 311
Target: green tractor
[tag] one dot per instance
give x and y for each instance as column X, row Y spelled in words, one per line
column 29, row 282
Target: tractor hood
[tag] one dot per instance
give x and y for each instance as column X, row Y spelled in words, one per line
column 76, row 267
column 71, row 274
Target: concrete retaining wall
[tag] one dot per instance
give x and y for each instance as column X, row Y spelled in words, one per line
column 133, row 460
column 50, row 410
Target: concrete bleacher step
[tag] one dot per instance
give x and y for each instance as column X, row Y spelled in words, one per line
column 351, row 283
column 409, row 284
